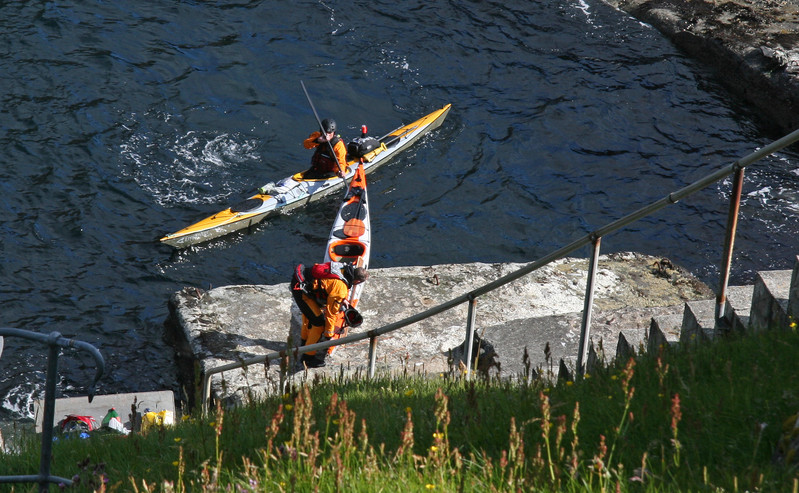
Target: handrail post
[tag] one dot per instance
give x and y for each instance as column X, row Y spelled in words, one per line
column 587, row 306
column 372, row 355
column 470, row 317
column 49, row 411
column 729, row 241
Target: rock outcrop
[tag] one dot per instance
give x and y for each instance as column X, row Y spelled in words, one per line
column 540, row 310
column 753, row 45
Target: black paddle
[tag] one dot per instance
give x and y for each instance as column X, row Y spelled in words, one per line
column 321, row 128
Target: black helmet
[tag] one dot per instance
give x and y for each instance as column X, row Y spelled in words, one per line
column 329, row 125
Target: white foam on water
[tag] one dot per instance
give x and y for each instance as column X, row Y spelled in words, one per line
column 19, row 400
column 190, row 168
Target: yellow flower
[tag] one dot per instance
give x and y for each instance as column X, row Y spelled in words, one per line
column 185, row 417
column 569, row 383
column 430, row 486
column 177, row 439
column 438, row 435
column 587, row 375
column 175, row 463
column 212, row 424
column 409, row 393
column 613, row 377
column 335, row 421
column 546, row 390
column 434, row 449
column 289, row 407
column 408, row 409
column 285, row 397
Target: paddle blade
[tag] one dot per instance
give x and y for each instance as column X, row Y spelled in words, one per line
column 354, row 228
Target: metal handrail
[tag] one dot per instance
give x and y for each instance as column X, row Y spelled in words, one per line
column 593, row 238
column 54, row 341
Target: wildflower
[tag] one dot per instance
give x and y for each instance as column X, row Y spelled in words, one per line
column 613, row 377
column 587, row 375
column 408, row 409
column 175, row 463
column 177, row 439
column 212, row 424
column 569, row 383
column 438, row 435
column 285, row 397
column 335, row 421
column 289, row 407
column 546, row 390
column 430, row 486
column 434, row 449
column 185, row 417
column 409, row 393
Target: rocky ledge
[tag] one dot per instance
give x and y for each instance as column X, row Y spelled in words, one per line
column 753, row 45
column 538, row 314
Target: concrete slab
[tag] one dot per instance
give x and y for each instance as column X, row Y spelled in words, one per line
column 163, row 400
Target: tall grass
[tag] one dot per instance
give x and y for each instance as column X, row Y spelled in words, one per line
column 705, row 419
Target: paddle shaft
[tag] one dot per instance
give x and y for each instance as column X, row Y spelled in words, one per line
column 321, row 128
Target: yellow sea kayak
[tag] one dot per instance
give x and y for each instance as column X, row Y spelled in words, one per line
column 295, row 191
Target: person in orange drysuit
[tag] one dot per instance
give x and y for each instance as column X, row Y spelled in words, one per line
column 324, row 164
column 320, row 292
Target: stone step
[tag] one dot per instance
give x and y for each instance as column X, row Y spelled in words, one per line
column 631, row 342
column 664, row 330
column 793, row 296
column 699, row 321
column 738, row 306
column 770, row 300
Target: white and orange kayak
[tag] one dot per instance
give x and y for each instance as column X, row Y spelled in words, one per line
column 350, row 241
column 295, row 191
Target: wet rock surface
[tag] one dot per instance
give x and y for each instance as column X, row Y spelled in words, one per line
column 540, row 310
column 752, row 45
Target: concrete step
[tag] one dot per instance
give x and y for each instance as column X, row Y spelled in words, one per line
column 770, row 300
column 793, row 296
column 631, row 342
column 699, row 321
column 664, row 330
column 738, row 306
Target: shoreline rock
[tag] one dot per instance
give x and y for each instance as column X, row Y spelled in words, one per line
column 234, row 323
column 753, row 46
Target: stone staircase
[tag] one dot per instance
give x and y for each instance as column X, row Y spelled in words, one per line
column 771, row 302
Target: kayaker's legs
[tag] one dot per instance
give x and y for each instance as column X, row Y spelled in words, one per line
column 313, row 174
column 312, row 320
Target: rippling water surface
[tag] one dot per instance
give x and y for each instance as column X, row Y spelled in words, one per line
column 122, row 121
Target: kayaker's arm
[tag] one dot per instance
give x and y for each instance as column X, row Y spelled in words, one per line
column 341, row 157
column 312, row 140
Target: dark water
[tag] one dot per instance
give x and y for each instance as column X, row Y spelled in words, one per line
column 124, row 120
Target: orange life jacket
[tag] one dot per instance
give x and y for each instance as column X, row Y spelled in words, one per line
column 324, row 159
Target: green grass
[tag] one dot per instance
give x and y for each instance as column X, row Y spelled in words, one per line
column 705, row 419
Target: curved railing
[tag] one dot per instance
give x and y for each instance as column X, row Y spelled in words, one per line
column 56, row 342
column 593, row 238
